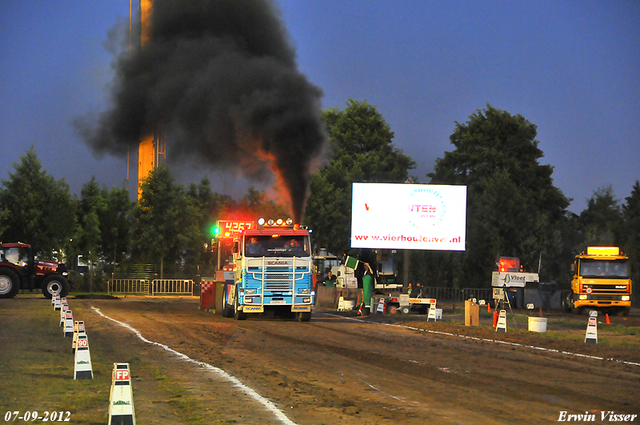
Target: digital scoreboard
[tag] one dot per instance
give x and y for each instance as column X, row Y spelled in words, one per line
column 230, row 229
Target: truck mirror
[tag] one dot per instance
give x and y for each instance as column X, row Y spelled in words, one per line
column 236, row 247
column 573, row 268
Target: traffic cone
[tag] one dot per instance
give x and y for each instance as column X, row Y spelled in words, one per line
column 121, row 409
column 82, row 368
column 608, row 321
column 488, row 307
column 495, row 319
column 360, row 310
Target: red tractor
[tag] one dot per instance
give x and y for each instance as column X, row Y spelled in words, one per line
column 20, row 270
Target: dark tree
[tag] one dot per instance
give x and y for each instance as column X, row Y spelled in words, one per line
column 513, row 207
column 361, row 149
column 35, row 208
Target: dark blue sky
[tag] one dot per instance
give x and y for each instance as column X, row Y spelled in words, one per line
column 570, row 67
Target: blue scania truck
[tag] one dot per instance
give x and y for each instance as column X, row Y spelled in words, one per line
column 272, row 269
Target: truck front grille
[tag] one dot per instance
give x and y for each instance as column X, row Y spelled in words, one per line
column 604, row 297
column 276, row 279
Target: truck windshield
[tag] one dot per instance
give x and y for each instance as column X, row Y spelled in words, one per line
column 278, row 246
column 608, row 269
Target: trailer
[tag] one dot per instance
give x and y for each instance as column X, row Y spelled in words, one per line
column 403, row 303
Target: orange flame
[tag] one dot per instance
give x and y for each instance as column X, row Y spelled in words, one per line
column 279, row 192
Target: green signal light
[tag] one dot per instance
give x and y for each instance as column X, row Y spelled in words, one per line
column 215, row 230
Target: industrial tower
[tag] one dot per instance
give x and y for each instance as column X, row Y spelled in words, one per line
column 151, row 150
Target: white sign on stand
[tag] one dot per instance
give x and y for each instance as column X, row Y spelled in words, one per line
column 502, row 321
column 591, row 337
column 432, row 313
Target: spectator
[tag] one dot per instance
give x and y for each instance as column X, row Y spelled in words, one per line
column 330, row 280
column 417, row 291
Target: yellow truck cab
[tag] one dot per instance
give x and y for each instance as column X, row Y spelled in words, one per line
column 601, row 281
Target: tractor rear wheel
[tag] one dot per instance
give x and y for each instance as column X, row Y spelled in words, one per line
column 9, row 283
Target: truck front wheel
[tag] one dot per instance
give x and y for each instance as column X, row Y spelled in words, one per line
column 9, row 283
column 239, row 314
column 227, row 309
column 304, row 316
column 565, row 301
column 574, row 309
column 55, row 284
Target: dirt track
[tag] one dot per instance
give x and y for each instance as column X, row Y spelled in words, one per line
column 338, row 369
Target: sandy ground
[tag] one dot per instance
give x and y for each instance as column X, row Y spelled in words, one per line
column 339, row 368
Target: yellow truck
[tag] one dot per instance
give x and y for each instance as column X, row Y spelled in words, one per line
column 600, row 281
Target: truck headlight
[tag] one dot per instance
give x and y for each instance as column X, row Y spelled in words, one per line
column 304, row 291
column 625, row 298
column 306, row 300
column 583, row 297
column 248, row 300
column 250, row 291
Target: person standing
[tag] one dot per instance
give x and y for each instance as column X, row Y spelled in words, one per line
column 330, row 280
column 367, row 287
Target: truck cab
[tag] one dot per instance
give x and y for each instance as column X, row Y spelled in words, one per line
column 272, row 271
column 600, row 280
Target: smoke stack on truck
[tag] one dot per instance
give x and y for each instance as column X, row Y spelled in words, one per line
column 600, row 280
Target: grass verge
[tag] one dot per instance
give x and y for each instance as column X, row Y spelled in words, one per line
column 38, row 367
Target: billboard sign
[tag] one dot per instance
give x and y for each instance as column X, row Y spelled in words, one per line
column 408, row 216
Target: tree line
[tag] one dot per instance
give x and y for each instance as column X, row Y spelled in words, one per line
column 513, row 208
column 171, row 225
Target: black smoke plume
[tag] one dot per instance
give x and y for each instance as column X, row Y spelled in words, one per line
column 220, row 78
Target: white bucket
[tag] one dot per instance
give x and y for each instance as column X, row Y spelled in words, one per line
column 537, row 324
column 349, row 304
